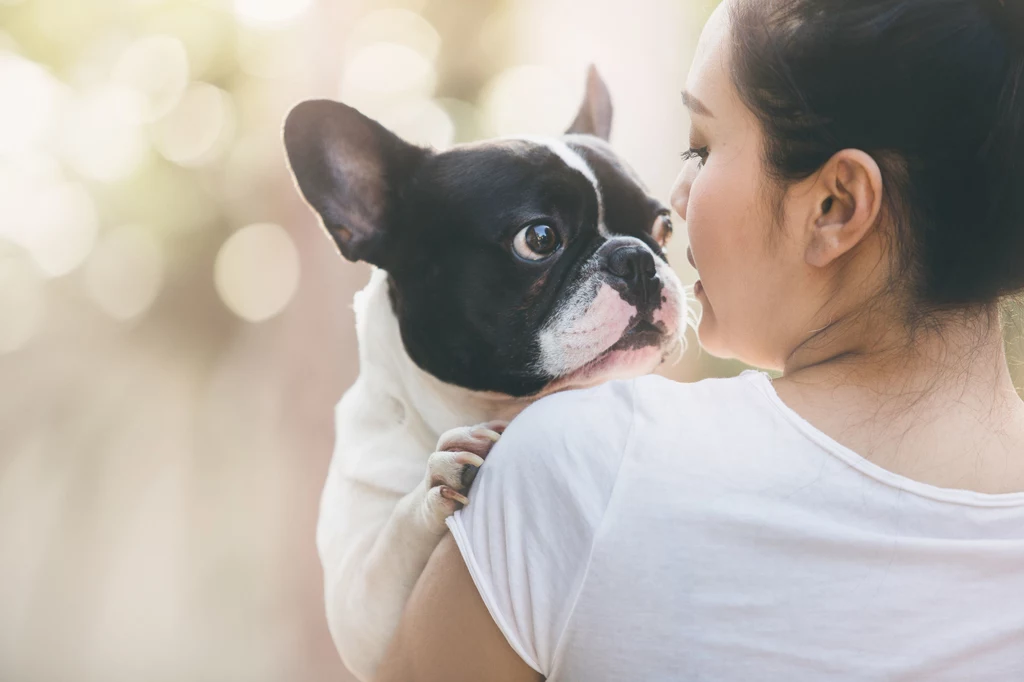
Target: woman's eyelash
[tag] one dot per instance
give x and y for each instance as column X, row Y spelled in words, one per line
column 696, row 153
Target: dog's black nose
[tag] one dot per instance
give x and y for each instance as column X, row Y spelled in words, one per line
column 632, row 263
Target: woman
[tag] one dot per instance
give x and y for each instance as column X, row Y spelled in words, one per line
column 855, row 207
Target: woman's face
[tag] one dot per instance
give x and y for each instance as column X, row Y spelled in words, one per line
column 753, row 284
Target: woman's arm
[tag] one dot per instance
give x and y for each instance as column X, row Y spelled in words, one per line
column 446, row 633
column 525, row 540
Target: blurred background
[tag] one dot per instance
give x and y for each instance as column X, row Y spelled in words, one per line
column 175, row 329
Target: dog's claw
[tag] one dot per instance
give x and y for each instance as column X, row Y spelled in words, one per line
column 486, row 433
column 450, row 494
column 453, row 467
column 470, row 459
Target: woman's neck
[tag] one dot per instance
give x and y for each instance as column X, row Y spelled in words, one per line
column 879, row 344
column 936, row 403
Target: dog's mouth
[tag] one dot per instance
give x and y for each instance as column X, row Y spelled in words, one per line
column 639, row 350
column 640, row 334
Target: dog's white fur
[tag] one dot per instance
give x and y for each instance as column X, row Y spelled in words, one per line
column 378, row 524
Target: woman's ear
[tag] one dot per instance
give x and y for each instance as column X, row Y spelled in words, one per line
column 849, row 195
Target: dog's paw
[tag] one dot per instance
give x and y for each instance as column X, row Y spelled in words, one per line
column 452, row 468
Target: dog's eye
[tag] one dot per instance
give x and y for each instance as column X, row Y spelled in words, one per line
column 661, row 231
column 536, row 242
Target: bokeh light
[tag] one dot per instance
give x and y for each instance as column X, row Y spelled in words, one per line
column 203, row 27
column 64, row 227
column 397, row 26
column 529, row 99
column 55, row 220
column 22, row 300
column 380, row 75
column 198, row 129
column 257, row 271
column 266, row 13
column 29, row 97
column 103, row 138
column 156, row 67
column 390, row 75
column 21, row 178
column 420, row 121
column 124, row 273
column 269, row 54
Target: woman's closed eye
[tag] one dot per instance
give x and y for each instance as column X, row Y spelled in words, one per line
column 697, row 153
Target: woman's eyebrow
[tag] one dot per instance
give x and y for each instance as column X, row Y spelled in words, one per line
column 695, row 105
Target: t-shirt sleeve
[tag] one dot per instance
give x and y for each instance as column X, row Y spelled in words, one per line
column 536, row 508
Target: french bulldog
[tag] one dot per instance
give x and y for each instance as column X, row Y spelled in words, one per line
column 505, row 270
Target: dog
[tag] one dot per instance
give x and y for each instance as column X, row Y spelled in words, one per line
column 505, row 270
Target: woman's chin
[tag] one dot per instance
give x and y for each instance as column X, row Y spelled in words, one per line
column 708, row 332
column 709, row 335
column 714, row 342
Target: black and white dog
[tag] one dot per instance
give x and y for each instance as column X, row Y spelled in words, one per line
column 505, row 270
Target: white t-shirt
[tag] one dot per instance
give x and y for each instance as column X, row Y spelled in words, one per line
column 651, row 530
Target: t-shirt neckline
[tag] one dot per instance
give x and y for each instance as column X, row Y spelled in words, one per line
column 763, row 381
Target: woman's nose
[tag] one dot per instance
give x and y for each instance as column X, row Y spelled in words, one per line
column 681, row 191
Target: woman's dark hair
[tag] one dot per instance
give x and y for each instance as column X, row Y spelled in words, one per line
column 934, row 91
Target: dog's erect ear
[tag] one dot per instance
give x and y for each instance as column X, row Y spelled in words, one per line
column 350, row 169
column 595, row 114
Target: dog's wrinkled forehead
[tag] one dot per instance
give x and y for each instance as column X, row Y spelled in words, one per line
column 483, row 190
column 574, row 161
column 517, row 179
column 496, row 173
column 627, row 206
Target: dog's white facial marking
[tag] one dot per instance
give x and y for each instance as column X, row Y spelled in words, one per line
column 575, row 343
column 576, row 162
column 589, row 325
column 601, row 147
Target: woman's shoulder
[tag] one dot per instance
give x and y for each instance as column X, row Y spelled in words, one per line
column 709, row 392
column 709, row 402
column 592, row 429
column 615, row 406
column 549, row 483
column 567, row 436
column 624, row 393
column 737, row 422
